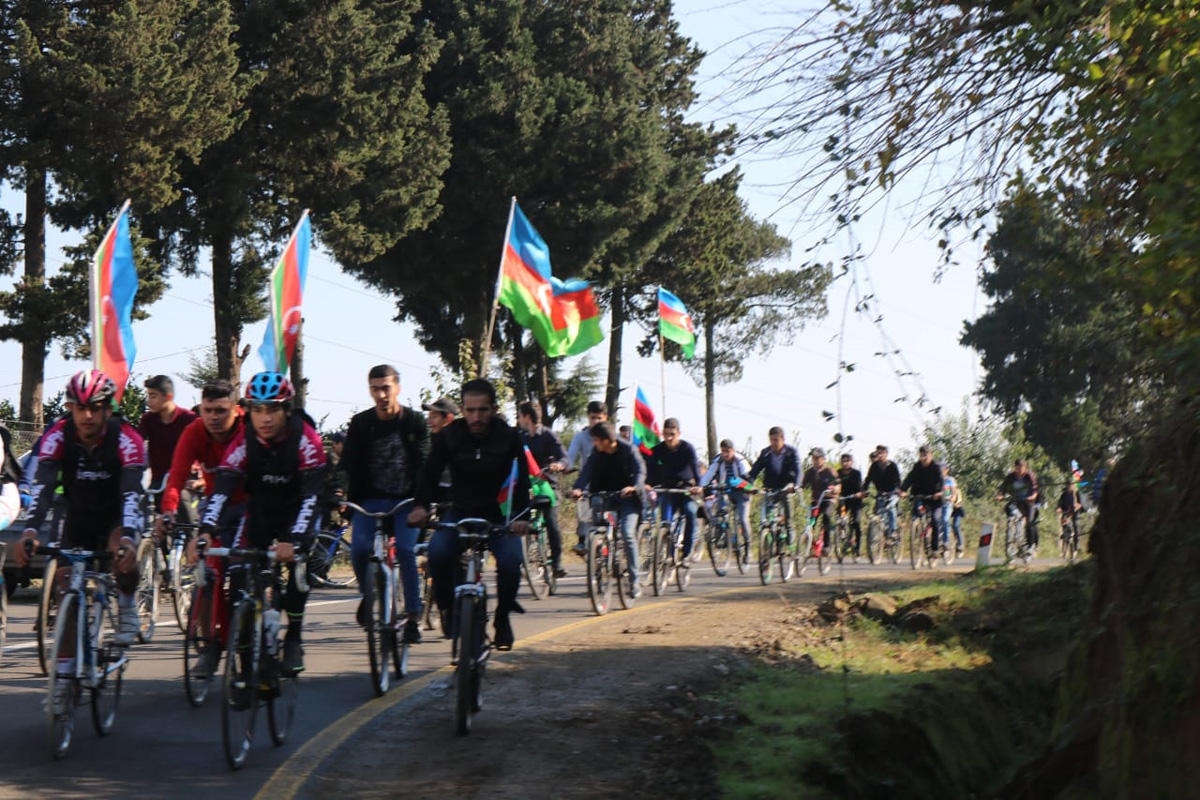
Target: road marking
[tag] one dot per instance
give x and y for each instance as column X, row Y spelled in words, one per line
column 330, row 602
column 291, row 776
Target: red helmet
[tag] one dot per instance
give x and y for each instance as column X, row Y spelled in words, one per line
column 91, row 386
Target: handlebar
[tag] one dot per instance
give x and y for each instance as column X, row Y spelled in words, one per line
column 378, row 514
column 665, row 490
column 475, row 528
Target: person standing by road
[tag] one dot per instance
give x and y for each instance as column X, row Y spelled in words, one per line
column 386, row 448
column 548, row 452
column 577, row 455
column 951, row 511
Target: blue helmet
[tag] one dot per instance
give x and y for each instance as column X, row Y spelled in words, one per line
column 269, row 388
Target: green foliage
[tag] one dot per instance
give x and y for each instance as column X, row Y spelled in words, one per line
column 133, row 401
column 202, row 367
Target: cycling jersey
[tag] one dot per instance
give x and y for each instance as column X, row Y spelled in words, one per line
column 102, row 485
column 282, row 480
column 197, row 445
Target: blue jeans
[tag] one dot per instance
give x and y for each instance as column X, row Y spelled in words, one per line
column 443, row 567
column 627, row 510
column 686, row 505
column 741, row 511
column 362, row 543
column 887, row 507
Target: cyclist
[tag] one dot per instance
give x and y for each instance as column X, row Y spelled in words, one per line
column 205, row 442
column 851, row 489
column 673, row 465
column 547, row 450
column 439, row 414
column 925, row 478
column 386, row 447
column 884, row 475
column 731, row 471
column 1022, row 488
column 822, row 482
column 1069, row 504
column 480, row 449
column 615, row 465
column 99, row 460
column 161, row 427
column 779, row 465
column 577, row 455
column 278, row 460
column 952, row 511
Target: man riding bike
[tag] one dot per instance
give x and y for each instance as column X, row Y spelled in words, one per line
column 99, row 459
column 673, row 465
column 547, row 451
column 884, row 475
column 278, row 460
column 1021, row 487
column 161, row 428
column 822, row 481
column 731, row 471
column 925, row 479
column 779, row 465
column 851, row 482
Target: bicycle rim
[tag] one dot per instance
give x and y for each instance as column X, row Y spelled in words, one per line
column 914, row 544
column 46, row 615
column 719, row 547
column 106, row 694
column 378, row 645
column 621, row 576
column 466, row 680
column 766, row 546
column 334, row 561
column 599, row 583
column 197, row 638
column 793, row 562
column 239, row 692
column 62, row 691
column 874, row 542
column 281, row 709
column 662, row 559
column 183, row 584
column 147, row 590
column 533, row 567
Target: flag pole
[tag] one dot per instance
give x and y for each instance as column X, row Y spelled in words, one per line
column 662, row 368
column 481, row 371
column 94, row 291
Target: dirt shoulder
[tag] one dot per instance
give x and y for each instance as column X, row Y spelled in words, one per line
column 603, row 710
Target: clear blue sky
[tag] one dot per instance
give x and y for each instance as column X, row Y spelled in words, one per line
column 349, row 328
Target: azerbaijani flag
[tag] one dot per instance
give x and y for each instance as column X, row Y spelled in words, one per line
column 539, row 485
column 562, row 315
column 286, row 290
column 646, row 433
column 113, row 285
column 675, row 323
column 505, row 495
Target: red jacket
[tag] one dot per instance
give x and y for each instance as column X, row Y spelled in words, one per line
column 196, row 445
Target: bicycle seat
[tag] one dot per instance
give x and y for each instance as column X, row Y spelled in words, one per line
column 539, row 502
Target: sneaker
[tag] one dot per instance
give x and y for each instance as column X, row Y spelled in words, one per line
column 958, row 552
column 580, row 549
column 412, row 631
column 637, row 590
column 503, row 640
column 205, row 664
column 363, row 615
column 127, row 627
column 293, row 657
column 559, row 572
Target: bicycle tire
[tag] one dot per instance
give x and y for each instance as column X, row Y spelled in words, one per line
column 598, row 576
column 47, row 612
column 766, row 554
column 681, row 564
column 183, row 585
column 894, row 545
column 548, row 576
column 741, row 545
column 875, row 541
column 331, row 566
column 720, row 549
column 799, row 557
column 645, row 543
column 620, row 570
column 533, row 566
column 106, row 694
column 662, row 559
column 841, row 540
column 147, row 596
column 3, row 615
column 281, row 705
column 60, row 714
column 239, row 690
column 427, row 601
column 197, row 639
column 466, row 699
column 381, row 632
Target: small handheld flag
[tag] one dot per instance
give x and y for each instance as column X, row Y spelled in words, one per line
column 675, row 323
column 112, row 287
column 286, row 291
column 505, row 497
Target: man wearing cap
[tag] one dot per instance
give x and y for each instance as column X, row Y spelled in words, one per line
column 851, row 485
column 823, row 482
column 439, row 414
column 386, row 447
column 161, row 426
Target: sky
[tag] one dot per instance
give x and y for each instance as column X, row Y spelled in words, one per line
column 349, row 327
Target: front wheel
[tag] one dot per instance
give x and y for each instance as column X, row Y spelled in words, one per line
column 183, row 584
column 468, row 696
column 824, row 562
column 875, row 541
column 239, row 693
column 662, row 566
column 621, row 577
column 149, row 561
column 47, row 611
column 381, row 632
column 804, row 553
column 329, row 561
column 535, row 566
column 281, row 706
column 766, row 551
column 599, row 575
column 110, row 672
column 915, row 543
column 64, row 688
column 720, row 549
column 199, row 639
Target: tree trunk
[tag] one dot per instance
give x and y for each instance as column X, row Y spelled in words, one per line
column 710, row 371
column 227, row 330
column 298, row 380
column 612, row 391
column 34, row 347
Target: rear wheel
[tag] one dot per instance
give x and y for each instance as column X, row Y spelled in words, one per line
column 599, row 573
column 239, row 692
column 183, row 583
column 381, row 633
column 662, row 566
column 720, row 548
column 620, row 562
column 803, row 553
column 281, row 706
column 63, row 689
column 150, row 562
column 110, row 669
column 329, row 560
column 198, row 639
column 915, row 545
column 468, row 699
column 535, row 566
column 766, row 552
column 875, row 540
column 47, row 611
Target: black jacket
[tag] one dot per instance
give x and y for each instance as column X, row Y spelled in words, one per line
column 772, row 479
column 479, row 468
column 356, row 455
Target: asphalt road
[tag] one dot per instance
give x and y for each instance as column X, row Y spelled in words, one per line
column 162, row 747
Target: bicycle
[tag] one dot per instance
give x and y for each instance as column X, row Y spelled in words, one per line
column 922, row 547
column 607, row 561
column 205, row 629
column 1014, row 532
column 812, row 541
column 720, row 537
column 882, row 542
column 253, row 672
column 535, row 556
column 668, row 561
column 380, row 594
column 179, row 577
column 329, row 562
column 471, row 646
column 83, row 656
column 151, row 563
column 1068, row 539
column 775, row 539
column 843, row 542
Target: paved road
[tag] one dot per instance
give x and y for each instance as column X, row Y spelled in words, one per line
column 163, row 747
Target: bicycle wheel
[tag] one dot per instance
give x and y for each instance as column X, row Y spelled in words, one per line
column 914, row 543
column 645, row 543
column 682, row 566
column 183, row 584
column 720, row 549
column 329, row 560
column 239, row 692
column 740, row 545
column 281, row 705
column 1014, row 538
column 620, row 571
column 661, row 567
column 381, row 633
column 427, row 601
column 534, row 566
column 47, row 611
column 875, row 540
column 468, row 699
column 799, row 558
column 62, row 690
column 197, row 640
column 148, row 561
column 766, row 552
column 841, row 540
column 599, row 573
column 110, row 668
